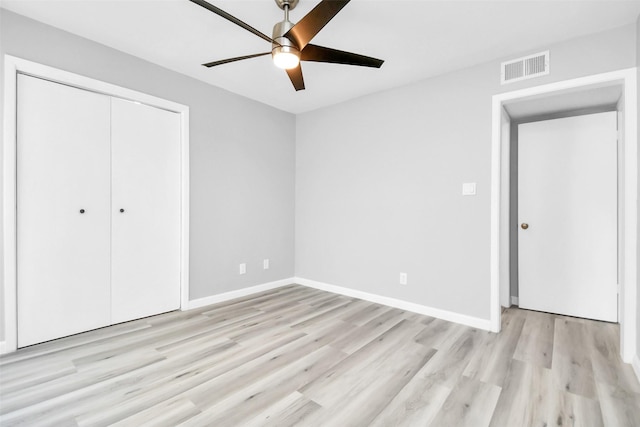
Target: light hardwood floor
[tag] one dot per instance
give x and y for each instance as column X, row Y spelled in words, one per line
column 299, row 356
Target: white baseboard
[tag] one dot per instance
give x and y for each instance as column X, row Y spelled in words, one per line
column 214, row 299
column 3, row 347
column 636, row 366
column 514, row 301
column 450, row 316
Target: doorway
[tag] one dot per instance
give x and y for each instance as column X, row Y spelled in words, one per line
column 566, row 231
column 577, row 95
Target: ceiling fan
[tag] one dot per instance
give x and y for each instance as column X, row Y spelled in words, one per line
column 290, row 42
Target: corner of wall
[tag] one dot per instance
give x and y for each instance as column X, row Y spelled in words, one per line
column 226, row 296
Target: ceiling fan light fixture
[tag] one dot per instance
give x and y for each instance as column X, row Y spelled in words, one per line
column 290, row 42
column 286, row 57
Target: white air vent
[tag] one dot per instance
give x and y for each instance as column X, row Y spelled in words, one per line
column 526, row 67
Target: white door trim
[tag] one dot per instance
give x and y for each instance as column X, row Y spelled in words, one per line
column 626, row 78
column 12, row 67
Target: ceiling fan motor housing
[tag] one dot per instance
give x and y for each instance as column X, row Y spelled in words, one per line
column 283, row 44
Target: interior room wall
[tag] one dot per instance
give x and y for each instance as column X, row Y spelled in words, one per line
column 638, row 88
column 379, row 179
column 242, row 157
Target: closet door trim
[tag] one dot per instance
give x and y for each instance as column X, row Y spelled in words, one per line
column 14, row 66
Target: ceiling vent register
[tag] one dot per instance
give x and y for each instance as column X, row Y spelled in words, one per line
column 524, row 68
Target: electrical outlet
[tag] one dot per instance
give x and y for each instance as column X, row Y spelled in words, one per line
column 403, row 278
column 243, row 268
column 265, row 264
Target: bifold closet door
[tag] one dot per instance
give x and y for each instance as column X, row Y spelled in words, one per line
column 145, row 255
column 63, row 210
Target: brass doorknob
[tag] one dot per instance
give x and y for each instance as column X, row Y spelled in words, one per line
column 524, row 226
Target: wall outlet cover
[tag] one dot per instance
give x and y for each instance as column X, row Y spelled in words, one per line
column 403, row 278
column 469, row 189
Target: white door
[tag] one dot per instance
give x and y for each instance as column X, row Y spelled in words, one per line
column 145, row 270
column 63, row 210
column 567, row 184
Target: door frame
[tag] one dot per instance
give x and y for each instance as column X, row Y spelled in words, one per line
column 14, row 66
column 627, row 187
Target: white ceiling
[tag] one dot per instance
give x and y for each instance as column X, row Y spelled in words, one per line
column 417, row 39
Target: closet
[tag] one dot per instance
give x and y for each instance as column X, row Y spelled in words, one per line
column 98, row 210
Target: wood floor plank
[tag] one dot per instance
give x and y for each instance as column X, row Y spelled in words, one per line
column 329, row 389
column 356, row 338
column 293, row 409
column 215, row 390
column 416, row 405
column 30, row 375
column 173, row 382
column 296, row 356
column 470, row 404
column 447, row 366
column 437, row 332
column 605, row 358
column 619, row 407
column 369, row 312
column 535, row 344
column 572, row 368
column 372, row 393
column 524, row 396
column 237, row 407
column 569, row 409
column 167, row 413
column 492, row 365
column 116, row 367
column 68, row 345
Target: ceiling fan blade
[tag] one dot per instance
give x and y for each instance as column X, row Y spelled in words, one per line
column 295, row 75
column 325, row 54
column 302, row 33
column 239, row 58
column 231, row 18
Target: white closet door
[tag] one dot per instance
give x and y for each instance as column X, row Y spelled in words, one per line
column 146, row 210
column 62, row 169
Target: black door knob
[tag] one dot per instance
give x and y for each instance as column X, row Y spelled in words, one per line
column 121, row 210
column 81, row 210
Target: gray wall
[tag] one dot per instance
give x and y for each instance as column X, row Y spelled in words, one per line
column 378, row 180
column 638, row 87
column 242, row 157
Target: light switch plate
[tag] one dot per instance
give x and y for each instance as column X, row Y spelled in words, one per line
column 469, row 189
